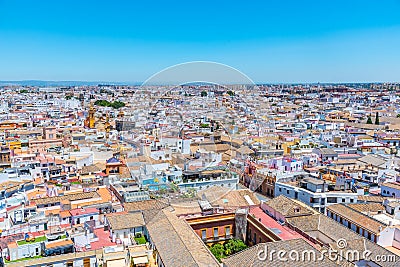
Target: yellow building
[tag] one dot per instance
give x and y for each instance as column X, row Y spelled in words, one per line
column 90, row 120
column 14, row 145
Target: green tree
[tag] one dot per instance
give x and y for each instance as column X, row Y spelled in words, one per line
column 218, row 251
column 231, row 93
column 234, row 246
column 398, row 115
column 377, row 118
column 203, row 93
column 230, row 247
column 369, row 120
column 105, row 103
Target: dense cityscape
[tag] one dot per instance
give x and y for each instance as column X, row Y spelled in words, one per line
column 199, row 133
column 199, row 175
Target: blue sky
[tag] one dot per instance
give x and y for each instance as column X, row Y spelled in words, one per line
column 270, row 41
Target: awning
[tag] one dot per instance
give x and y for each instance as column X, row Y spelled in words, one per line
column 140, row 260
column 116, row 263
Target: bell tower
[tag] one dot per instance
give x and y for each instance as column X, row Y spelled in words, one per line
column 90, row 120
column 107, row 126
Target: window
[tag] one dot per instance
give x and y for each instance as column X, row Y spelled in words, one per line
column 331, row 199
column 215, row 232
column 204, row 234
column 91, row 218
column 227, row 231
column 351, row 200
column 343, row 200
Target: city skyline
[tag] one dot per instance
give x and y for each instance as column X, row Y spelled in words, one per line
column 270, row 42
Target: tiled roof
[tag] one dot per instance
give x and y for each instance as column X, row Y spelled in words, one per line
column 187, row 207
column 177, row 243
column 362, row 245
column 367, row 207
column 324, row 225
column 125, row 221
column 70, row 197
column 377, row 199
column 90, row 169
column 358, row 218
column 145, row 205
column 251, row 257
column 373, row 160
column 287, row 207
column 245, row 150
column 219, row 196
column 328, row 151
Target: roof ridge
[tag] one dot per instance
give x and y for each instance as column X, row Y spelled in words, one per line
column 180, row 237
column 248, row 249
column 369, row 217
column 319, row 221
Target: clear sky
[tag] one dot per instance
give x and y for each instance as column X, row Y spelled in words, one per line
column 270, row 41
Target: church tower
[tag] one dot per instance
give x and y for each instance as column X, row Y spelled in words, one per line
column 107, row 126
column 89, row 122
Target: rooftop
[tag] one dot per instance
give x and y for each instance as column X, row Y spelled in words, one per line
column 289, row 207
column 357, row 218
column 188, row 249
column 125, row 221
column 251, row 258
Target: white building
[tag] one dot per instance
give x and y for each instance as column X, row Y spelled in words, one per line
column 314, row 193
column 390, row 190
